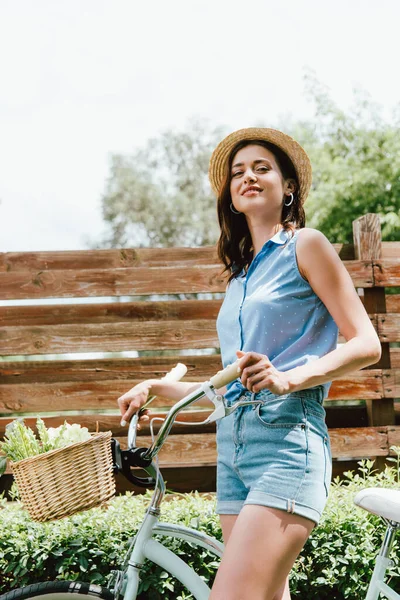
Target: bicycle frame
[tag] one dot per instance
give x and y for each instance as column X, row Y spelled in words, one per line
column 145, row 547
column 382, row 563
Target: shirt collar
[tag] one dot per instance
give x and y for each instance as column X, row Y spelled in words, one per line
column 280, row 237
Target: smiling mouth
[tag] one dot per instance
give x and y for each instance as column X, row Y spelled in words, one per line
column 251, row 190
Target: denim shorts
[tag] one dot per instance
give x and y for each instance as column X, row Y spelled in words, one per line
column 276, row 454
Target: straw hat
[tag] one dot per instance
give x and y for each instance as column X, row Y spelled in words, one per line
column 298, row 156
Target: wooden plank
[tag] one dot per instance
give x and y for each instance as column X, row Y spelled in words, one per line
column 53, row 371
column 390, row 249
column 125, row 257
column 109, row 312
column 389, row 327
column 367, row 237
column 395, row 358
column 131, row 332
column 393, row 437
column 99, row 394
column 135, row 334
column 391, row 383
column 393, row 303
column 387, row 272
column 359, row 442
column 44, row 398
column 106, row 259
column 114, row 282
column 349, row 443
column 112, row 337
column 132, row 281
column 135, row 257
column 365, row 384
column 196, row 449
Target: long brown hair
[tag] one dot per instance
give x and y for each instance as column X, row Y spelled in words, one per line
column 235, row 247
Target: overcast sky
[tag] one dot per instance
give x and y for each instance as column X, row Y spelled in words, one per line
column 82, row 79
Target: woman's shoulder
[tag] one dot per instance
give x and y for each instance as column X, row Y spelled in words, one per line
column 308, row 236
column 310, row 240
column 313, row 249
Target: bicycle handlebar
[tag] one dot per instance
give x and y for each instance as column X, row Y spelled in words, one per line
column 143, row 457
column 222, row 378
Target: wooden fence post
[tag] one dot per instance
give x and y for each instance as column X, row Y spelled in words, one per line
column 367, row 237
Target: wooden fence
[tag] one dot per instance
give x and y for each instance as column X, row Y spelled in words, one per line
column 136, row 306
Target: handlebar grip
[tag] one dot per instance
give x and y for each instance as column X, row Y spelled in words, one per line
column 176, row 373
column 230, row 373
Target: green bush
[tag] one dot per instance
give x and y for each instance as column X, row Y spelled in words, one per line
column 335, row 563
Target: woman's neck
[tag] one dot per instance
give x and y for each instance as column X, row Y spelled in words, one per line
column 261, row 233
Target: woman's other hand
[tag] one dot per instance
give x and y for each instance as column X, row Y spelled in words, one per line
column 131, row 402
column 258, row 374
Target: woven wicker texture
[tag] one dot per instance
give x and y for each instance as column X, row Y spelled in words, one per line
column 62, row 482
column 219, row 160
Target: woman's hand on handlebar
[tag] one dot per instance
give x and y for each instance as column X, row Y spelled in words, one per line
column 131, row 402
column 258, row 373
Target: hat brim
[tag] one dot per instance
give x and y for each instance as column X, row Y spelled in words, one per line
column 219, row 159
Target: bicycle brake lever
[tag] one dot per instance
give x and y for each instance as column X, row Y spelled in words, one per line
column 239, row 403
column 222, row 410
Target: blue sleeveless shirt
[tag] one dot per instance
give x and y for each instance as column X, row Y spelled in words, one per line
column 273, row 310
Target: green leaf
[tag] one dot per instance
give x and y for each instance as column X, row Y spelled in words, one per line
column 3, row 464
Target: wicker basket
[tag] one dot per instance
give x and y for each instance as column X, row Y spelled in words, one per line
column 62, row 482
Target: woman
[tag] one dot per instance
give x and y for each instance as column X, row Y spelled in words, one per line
column 288, row 293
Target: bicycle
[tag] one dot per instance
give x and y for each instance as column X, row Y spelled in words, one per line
column 386, row 504
column 124, row 583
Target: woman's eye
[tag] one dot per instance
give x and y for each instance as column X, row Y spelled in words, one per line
column 237, row 173
column 262, row 168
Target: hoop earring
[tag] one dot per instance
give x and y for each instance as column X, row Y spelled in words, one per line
column 236, row 212
column 291, row 201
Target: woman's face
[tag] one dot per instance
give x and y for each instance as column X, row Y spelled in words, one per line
column 257, row 185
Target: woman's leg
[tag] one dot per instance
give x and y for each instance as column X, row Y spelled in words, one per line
column 227, row 523
column 262, row 546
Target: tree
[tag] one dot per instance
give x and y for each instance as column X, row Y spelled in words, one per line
column 160, row 195
column 356, row 164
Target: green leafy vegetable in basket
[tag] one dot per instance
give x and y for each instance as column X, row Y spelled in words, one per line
column 21, row 442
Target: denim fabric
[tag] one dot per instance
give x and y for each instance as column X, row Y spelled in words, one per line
column 273, row 310
column 276, row 454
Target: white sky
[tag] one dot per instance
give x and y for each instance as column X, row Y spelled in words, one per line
column 81, row 79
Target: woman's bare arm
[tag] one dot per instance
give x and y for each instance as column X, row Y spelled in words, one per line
column 319, row 263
